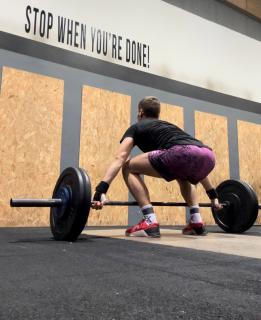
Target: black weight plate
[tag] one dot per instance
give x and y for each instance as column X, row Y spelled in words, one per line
column 243, row 211
column 68, row 221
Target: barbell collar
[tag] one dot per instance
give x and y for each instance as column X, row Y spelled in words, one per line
column 36, row 202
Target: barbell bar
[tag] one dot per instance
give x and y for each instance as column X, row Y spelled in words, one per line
column 36, row 202
column 59, row 202
column 71, row 202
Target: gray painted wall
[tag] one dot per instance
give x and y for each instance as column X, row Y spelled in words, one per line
column 224, row 14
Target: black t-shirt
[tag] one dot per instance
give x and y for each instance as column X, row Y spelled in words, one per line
column 152, row 134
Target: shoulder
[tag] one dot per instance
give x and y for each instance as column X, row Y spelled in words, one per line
column 132, row 128
column 130, row 132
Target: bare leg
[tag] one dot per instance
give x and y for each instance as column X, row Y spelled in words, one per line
column 189, row 192
column 137, row 187
column 132, row 170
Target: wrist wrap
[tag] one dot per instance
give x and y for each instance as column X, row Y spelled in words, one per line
column 212, row 194
column 102, row 187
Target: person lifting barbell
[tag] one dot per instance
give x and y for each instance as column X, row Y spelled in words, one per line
column 235, row 210
column 169, row 153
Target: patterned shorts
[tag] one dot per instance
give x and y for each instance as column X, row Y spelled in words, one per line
column 184, row 162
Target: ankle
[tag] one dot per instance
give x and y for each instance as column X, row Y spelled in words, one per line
column 195, row 216
column 149, row 214
column 151, row 218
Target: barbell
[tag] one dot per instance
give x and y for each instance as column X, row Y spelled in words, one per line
column 72, row 199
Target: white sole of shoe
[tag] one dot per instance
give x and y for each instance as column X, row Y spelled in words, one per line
column 140, row 233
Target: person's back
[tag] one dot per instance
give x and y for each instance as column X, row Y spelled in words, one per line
column 154, row 134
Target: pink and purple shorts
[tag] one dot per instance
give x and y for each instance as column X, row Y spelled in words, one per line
column 184, row 162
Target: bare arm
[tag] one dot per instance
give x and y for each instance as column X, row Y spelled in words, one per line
column 120, row 158
column 208, row 186
column 112, row 171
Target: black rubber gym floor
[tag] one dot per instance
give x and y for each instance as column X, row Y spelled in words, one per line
column 103, row 278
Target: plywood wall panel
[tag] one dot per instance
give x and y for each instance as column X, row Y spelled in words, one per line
column 239, row 3
column 249, row 146
column 160, row 190
column 254, row 7
column 30, row 142
column 250, row 6
column 212, row 130
column 105, row 117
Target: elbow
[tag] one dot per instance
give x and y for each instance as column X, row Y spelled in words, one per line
column 121, row 158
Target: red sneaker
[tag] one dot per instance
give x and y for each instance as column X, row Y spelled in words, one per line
column 195, row 229
column 144, row 229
